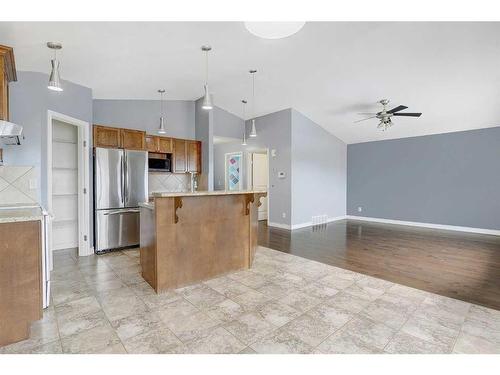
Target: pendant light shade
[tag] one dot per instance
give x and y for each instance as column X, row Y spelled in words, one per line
column 253, row 131
column 161, row 128
column 54, row 79
column 244, row 142
column 207, row 98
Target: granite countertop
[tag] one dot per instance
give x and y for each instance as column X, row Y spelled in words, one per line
column 204, row 193
column 15, row 213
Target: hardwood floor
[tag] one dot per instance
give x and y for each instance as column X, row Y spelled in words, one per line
column 460, row 265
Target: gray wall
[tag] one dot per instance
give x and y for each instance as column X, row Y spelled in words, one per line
column 226, row 124
column 204, row 132
column 319, row 164
column 29, row 102
column 145, row 114
column 274, row 132
column 451, row 179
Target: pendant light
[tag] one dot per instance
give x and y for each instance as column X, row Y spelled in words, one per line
column 244, row 142
column 161, row 128
column 54, row 79
column 207, row 98
column 253, row 131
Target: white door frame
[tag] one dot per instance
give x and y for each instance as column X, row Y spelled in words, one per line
column 83, row 127
column 249, row 158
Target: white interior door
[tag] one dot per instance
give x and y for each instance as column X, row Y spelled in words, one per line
column 260, row 175
column 64, row 186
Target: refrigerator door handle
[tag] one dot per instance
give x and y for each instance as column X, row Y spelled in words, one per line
column 118, row 212
column 125, row 184
column 122, row 177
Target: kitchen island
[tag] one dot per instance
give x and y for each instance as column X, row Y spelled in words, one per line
column 189, row 237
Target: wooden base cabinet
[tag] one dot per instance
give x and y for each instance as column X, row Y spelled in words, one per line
column 20, row 279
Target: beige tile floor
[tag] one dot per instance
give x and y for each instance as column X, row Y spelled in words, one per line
column 284, row 304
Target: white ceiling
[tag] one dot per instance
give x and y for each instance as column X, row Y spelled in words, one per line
column 329, row 71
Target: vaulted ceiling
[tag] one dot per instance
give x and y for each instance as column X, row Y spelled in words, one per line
column 329, row 71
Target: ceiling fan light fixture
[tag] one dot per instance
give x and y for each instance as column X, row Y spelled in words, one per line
column 273, row 30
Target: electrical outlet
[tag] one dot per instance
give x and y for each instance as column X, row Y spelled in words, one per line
column 283, row 215
column 360, row 209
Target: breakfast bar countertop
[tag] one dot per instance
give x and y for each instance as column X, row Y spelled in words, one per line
column 204, row 193
column 15, row 213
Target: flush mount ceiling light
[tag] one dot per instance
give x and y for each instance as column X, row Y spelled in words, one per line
column 244, row 142
column 161, row 128
column 207, row 98
column 253, row 131
column 54, row 79
column 273, row 30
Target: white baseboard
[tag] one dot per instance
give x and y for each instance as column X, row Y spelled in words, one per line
column 278, row 225
column 456, row 228
column 303, row 225
column 310, row 224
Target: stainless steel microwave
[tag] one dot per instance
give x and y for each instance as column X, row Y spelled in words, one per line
column 159, row 162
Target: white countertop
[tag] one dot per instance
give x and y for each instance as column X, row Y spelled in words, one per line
column 19, row 212
column 204, row 193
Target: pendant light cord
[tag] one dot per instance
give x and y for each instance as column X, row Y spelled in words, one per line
column 253, row 94
column 206, row 67
column 161, row 104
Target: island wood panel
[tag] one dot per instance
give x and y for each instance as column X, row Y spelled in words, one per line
column 148, row 245
column 197, row 238
column 20, row 279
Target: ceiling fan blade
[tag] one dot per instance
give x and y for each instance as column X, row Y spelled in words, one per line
column 408, row 114
column 365, row 119
column 397, row 109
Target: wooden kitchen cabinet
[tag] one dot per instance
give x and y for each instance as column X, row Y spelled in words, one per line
column 187, row 156
column 130, row 139
column 105, row 136
column 193, row 151
column 180, row 156
column 152, row 143
column 133, row 139
column 20, row 279
column 158, row 144
column 7, row 74
column 165, row 145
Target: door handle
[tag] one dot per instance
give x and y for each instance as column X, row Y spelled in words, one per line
column 117, row 212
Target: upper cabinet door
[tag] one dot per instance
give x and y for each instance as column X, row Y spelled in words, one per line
column 152, row 143
column 133, row 139
column 107, row 137
column 165, row 145
column 180, row 162
column 194, row 156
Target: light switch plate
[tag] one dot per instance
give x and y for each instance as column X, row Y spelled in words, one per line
column 32, row 183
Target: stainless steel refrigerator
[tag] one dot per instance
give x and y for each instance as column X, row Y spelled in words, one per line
column 121, row 183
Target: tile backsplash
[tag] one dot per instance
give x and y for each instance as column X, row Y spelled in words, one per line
column 18, row 185
column 168, row 182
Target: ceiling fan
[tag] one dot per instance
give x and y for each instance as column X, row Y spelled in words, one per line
column 385, row 115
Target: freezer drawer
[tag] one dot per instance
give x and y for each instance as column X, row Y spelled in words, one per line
column 117, row 228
